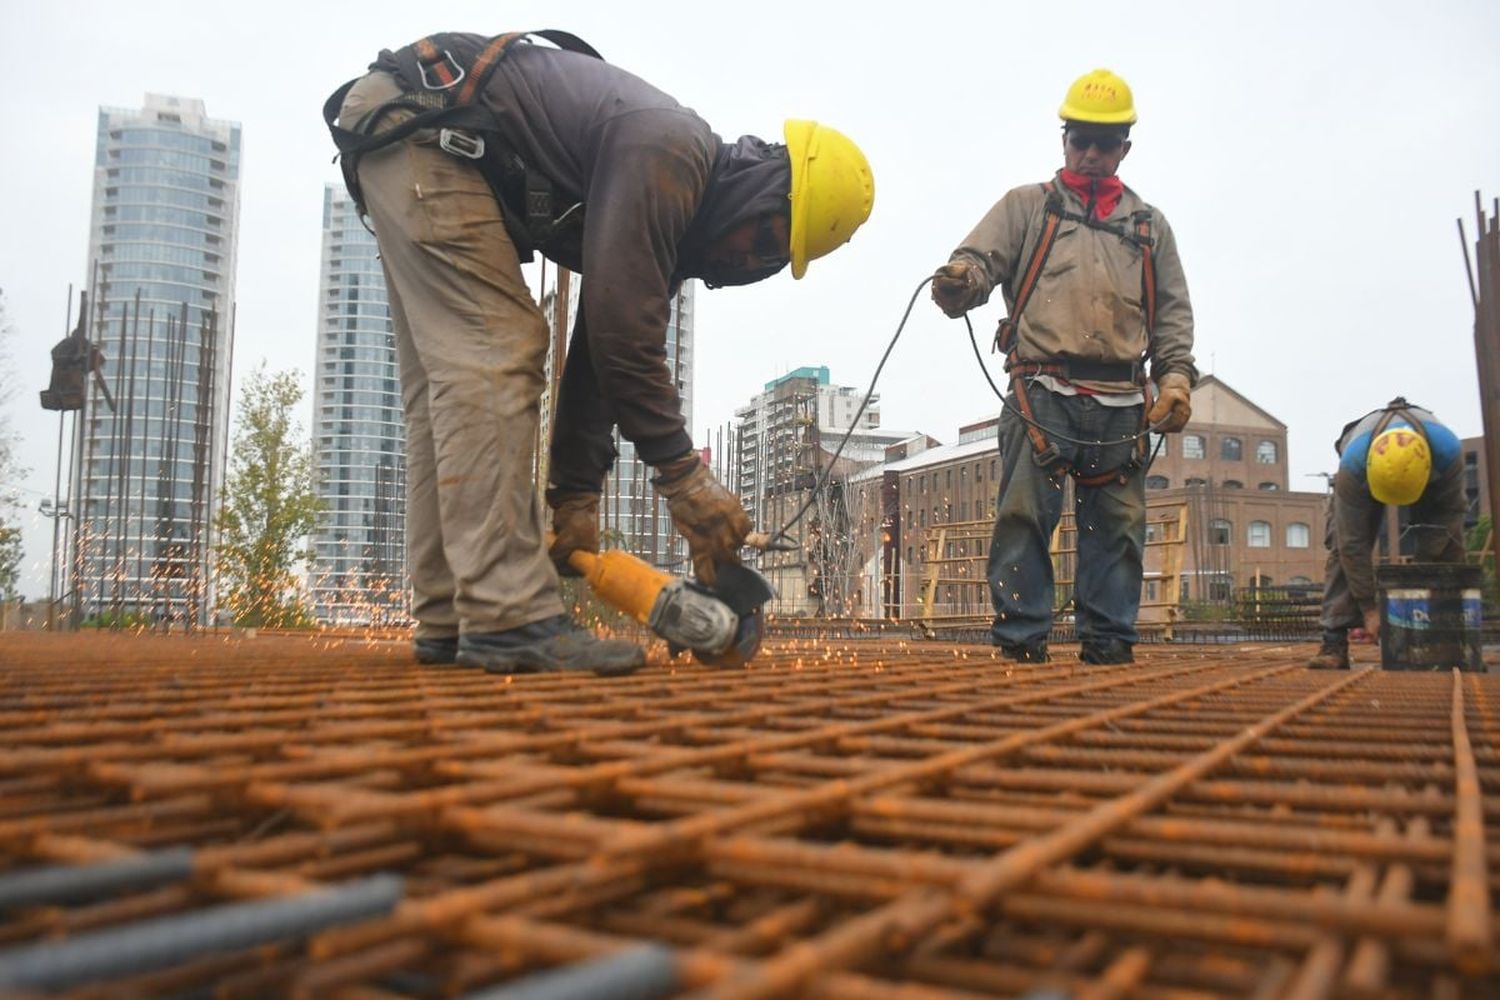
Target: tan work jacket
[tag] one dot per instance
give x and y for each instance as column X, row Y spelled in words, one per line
column 1088, row 302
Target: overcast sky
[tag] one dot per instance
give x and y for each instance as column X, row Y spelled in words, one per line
column 1311, row 156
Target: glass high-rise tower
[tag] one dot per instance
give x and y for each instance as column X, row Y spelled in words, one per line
column 151, row 444
column 359, row 565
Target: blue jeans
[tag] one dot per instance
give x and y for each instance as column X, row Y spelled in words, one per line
column 1111, row 523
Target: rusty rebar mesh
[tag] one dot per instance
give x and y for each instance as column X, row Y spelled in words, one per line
column 843, row 819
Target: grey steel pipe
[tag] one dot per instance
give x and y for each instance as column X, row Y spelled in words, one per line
column 79, row 883
column 645, row 973
column 155, row 944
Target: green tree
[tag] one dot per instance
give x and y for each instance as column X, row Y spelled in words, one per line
column 1480, row 548
column 268, row 506
column 11, row 471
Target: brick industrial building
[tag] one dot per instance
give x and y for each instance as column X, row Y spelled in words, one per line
column 919, row 522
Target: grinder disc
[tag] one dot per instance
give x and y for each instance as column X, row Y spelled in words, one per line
column 746, row 643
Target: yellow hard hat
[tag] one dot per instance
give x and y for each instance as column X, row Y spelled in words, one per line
column 1099, row 97
column 832, row 190
column 1398, row 466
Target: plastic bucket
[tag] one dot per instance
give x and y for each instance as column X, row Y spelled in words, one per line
column 1430, row 616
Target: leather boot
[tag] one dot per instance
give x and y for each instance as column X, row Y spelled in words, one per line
column 1333, row 654
column 1102, row 651
column 1028, row 652
column 552, row 645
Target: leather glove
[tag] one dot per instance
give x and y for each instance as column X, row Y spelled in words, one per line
column 704, row 512
column 575, row 523
column 955, row 287
column 1174, row 403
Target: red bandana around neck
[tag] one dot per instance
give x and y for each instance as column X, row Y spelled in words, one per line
column 1102, row 192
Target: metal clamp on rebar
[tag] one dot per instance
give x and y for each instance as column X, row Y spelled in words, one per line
column 470, row 147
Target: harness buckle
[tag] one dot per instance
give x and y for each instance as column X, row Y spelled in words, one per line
column 458, row 72
column 1046, row 457
column 470, row 147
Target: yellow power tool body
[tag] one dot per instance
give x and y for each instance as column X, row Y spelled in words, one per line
column 723, row 625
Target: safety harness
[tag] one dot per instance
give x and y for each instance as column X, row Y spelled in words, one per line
column 1020, row 369
column 443, row 77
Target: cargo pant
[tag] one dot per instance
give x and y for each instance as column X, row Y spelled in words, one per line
column 471, row 344
column 1111, row 524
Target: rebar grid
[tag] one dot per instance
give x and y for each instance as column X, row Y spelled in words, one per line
column 844, row 818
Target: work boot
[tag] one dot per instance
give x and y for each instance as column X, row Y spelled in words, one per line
column 1104, row 651
column 551, row 645
column 437, row 652
column 1333, row 654
column 1024, row 652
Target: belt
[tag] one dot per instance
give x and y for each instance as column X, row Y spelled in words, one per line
column 1078, row 370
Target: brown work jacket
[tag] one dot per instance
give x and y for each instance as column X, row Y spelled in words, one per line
column 1088, row 303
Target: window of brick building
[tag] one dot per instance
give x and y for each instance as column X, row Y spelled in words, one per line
column 1192, row 446
column 1297, row 535
column 1265, row 453
column 1231, row 449
column 1260, row 535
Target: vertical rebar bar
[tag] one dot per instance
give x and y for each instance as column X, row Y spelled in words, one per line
column 132, row 526
column 1486, row 298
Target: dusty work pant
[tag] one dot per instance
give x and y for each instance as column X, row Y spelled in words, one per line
column 1439, row 540
column 1111, row 524
column 471, row 344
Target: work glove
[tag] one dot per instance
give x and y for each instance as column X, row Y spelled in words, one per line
column 1174, row 403
column 955, row 288
column 575, row 525
column 704, row 512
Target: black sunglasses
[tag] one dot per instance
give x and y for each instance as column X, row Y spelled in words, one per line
column 1103, row 143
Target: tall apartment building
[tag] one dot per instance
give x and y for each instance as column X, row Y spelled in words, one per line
column 631, row 514
column 151, row 445
column 777, row 430
column 359, row 541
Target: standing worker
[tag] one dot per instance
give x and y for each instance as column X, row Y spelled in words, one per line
column 469, row 154
column 1095, row 291
column 1401, row 456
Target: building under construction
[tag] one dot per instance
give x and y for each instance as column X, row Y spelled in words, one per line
column 147, row 449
